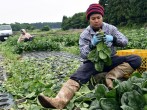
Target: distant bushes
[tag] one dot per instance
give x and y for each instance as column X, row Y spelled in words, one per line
column 45, row 28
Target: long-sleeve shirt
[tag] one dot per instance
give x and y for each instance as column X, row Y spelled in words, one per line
column 87, row 34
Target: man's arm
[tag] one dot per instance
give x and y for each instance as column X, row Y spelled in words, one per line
column 84, row 45
column 119, row 39
column 19, row 39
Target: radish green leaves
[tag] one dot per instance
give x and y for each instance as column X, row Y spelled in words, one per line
column 101, row 55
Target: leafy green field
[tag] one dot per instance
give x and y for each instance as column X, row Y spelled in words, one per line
column 27, row 77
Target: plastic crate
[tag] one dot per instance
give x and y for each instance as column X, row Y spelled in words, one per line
column 142, row 53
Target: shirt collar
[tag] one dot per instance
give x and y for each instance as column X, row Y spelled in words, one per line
column 91, row 30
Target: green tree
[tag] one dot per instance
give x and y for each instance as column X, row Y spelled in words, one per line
column 103, row 2
column 138, row 11
column 45, row 28
column 65, row 23
column 16, row 26
column 122, row 12
column 77, row 21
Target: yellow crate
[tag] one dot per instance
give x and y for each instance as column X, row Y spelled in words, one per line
column 142, row 53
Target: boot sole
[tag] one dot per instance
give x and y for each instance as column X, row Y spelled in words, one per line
column 44, row 102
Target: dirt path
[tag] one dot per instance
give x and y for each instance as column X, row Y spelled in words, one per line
column 6, row 100
column 44, row 54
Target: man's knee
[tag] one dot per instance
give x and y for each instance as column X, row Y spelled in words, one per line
column 134, row 60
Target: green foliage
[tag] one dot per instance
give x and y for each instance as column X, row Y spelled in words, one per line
column 52, row 25
column 65, row 23
column 38, row 44
column 137, row 38
column 17, row 26
column 71, row 40
column 130, row 12
column 101, row 55
column 72, row 49
column 77, row 21
column 126, row 95
column 45, row 28
column 29, row 77
column 50, row 42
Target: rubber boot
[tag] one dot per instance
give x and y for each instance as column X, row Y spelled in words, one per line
column 65, row 94
column 96, row 79
column 121, row 71
column 100, row 77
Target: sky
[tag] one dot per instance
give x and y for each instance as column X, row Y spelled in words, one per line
column 33, row 11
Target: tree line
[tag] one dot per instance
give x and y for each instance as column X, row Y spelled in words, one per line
column 117, row 12
column 125, row 12
column 31, row 26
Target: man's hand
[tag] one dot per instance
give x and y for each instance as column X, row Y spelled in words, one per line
column 95, row 40
column 108, row 38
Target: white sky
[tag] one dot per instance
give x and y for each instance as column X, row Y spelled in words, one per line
column 32, row 11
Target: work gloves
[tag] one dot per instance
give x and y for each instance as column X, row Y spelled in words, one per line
column 108, row 38
column 95, row 40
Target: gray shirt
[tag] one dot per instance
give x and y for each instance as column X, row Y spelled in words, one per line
column 87, row 34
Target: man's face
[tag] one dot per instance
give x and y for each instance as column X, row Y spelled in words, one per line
column 23, row 33
column 96, row 21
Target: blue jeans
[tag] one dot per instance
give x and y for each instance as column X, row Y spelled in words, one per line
column 87, row 69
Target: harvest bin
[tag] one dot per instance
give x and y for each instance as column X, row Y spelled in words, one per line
column 142, row 53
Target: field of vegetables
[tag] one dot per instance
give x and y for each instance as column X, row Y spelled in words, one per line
column 43, row 65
